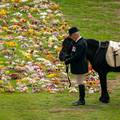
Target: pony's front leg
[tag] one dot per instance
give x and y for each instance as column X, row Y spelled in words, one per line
column 104, row 92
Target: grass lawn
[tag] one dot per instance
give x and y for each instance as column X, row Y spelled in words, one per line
column 99, row 20
column 95, row 19
column 46, row 106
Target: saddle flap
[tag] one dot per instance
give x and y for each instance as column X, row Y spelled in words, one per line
column 113, row 54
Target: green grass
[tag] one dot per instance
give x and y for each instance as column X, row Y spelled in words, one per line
column 45, row 106
column 95, row 19
column 99, row 20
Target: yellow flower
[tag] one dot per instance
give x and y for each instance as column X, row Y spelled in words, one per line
column 60, row 37
column 57, row 49
column 30, row 31
column 27, row 55
column 17, row 1
column 44, row 21
column 5, row 28
column 3, row 12
column 10, row 44
column 1, row 82
column 18, row 81
column 54, row 7
column 1, row 62
column 51, row 75
column 34, row 10
column 14, row 27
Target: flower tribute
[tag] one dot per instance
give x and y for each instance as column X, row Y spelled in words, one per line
column 31, row 33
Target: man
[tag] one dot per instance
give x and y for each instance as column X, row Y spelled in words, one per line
column 78, row 62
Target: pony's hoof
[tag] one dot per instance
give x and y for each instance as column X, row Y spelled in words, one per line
column 103, row 100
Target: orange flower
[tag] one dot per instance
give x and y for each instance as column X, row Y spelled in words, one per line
column 56, row 81
column 23, row 20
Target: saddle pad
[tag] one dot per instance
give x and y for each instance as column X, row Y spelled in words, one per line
column 113, row 54
column 115, row 45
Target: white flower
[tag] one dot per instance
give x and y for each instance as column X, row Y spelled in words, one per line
column 43, row 17
column 18, row 14
column 32, row 81
column 91, row 90
column 4, row 5
column 72, row 90
column 24, row 0
column 43, row 13
column 53, row 37
column 49, row 11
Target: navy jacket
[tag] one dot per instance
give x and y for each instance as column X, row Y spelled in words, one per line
column 78, row 61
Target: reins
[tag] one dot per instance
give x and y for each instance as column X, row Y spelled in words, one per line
column 67, row 71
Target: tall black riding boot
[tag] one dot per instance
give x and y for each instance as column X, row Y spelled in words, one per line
column 81, row 100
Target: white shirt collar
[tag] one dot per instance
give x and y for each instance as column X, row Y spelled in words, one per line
column 78, row 39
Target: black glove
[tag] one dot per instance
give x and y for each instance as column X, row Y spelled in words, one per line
column 66, row 57
column 67, row 61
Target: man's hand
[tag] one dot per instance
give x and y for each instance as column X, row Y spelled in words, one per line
column 67, row 61
column 67, row 57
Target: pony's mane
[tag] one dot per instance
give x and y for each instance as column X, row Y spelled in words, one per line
column 92, row 42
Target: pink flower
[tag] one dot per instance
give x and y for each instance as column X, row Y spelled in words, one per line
column 29, row 15
column 1, row 42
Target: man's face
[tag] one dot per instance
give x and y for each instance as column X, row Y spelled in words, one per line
column 75, row 36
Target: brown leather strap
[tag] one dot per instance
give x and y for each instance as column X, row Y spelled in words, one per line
column 114, row 55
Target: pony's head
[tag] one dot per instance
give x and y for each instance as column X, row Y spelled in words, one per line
column 66, row 48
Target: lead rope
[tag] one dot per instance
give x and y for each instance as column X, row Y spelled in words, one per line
column 67, row 71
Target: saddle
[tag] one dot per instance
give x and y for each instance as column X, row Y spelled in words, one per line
column 113, row 54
